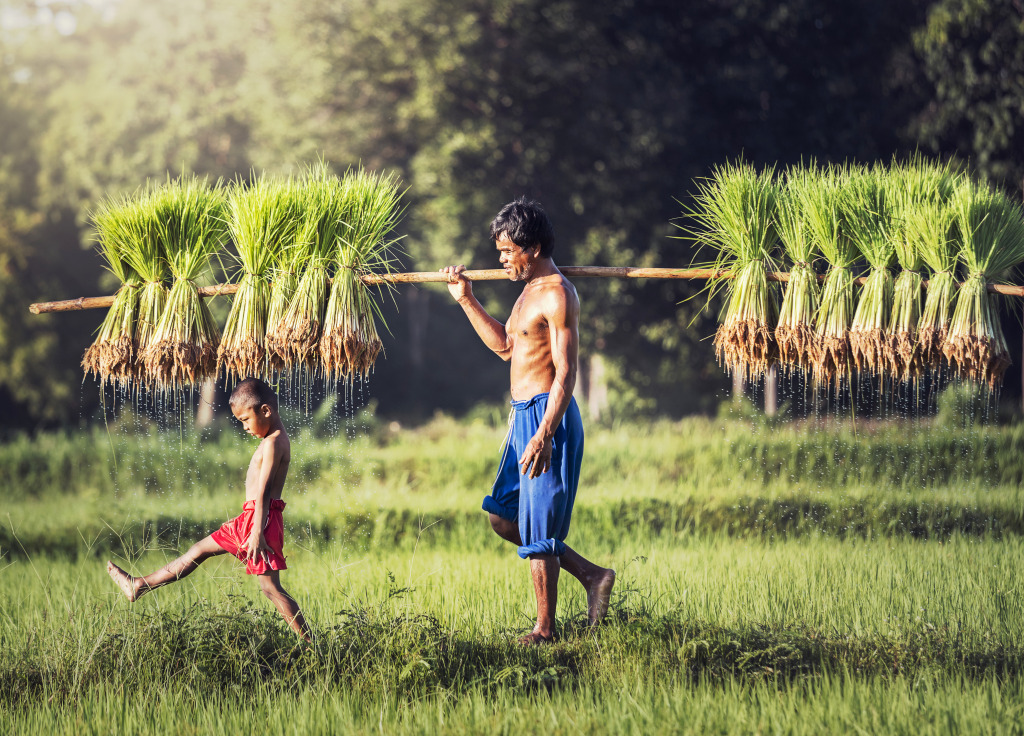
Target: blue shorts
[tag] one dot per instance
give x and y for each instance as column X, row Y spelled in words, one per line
column 541, row 506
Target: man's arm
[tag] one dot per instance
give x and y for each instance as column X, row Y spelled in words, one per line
column 256, row 544
column 490, row 330
column 562, row 314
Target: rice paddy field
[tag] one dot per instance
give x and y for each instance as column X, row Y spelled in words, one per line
column 790, row 577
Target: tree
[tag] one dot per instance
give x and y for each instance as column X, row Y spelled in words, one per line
column 972, row 55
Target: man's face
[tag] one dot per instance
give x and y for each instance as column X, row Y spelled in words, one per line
column 518, row 263
column 254, row 421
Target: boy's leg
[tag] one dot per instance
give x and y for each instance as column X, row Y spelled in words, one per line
column 134, row 587
column 270, row 584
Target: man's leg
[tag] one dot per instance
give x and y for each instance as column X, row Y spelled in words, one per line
column 270, row 584
column 544, row 571
column 596, row 580
column 134, row 587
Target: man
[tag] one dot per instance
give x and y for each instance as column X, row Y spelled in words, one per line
column 531, row 502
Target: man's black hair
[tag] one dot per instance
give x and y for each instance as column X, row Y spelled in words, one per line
column 525, row 223
column 252, row 393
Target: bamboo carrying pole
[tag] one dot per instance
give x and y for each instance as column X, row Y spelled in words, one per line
column 491, row 274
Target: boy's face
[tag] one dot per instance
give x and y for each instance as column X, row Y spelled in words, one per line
column 255, row 421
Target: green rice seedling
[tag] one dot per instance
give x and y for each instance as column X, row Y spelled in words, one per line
column 929, row 228
column 867, row 212
column 917, row 184
column 190, row 229
column 144, row 255
column 794, row 333
column 111, row 357
column 350, row 343
column 990, row 228
column 262, row 219
column 296, row 336
column 825, row 220
column 736, row 209
column 285, row 274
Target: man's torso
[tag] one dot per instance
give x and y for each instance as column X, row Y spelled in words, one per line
column 532, row 367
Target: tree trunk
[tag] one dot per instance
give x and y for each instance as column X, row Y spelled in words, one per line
column 597, row 388
column 771, row 391
column 207, row 396
column 739, row 386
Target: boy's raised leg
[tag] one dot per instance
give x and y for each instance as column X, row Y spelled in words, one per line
column 135, row 587
column 270, row 584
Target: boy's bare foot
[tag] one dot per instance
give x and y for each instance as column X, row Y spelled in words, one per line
column 535, row 638
column 125, row 582
column 599, row 595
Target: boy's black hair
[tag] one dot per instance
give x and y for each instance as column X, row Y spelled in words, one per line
column 252, row 393
column 525, row 223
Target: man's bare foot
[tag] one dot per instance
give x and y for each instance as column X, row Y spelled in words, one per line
column 128, row 585
column 599, row 595
column 535, row 638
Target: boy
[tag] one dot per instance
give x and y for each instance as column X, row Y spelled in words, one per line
column 254, row 404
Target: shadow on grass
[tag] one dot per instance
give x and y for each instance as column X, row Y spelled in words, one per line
column 233, row 647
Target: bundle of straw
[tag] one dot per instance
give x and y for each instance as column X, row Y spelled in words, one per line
column 350, row 343
column 824, row 216
column 991, row 232
column 794, row 333
column 111, row 357
column 295, row 337
column 262, row 219
column 737, row 209
column 866, row 208
column 190, row 229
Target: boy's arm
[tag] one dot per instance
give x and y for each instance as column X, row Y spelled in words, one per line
column 257, row 542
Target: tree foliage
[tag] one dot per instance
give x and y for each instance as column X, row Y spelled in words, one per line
column 605, row 110
column 972, row 54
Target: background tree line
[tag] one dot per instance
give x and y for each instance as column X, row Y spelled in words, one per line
column 605, row 110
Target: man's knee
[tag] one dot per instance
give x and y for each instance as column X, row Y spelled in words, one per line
column 502, row 527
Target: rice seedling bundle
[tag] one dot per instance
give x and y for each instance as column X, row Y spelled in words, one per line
column 285, row 274
column 929, row 228
column 990, row 228
column 794, row 333
column 916, row 185
column 737, row 210
column 111, row 357
column 822, row 208
column 190, row 228
column 262, row 220
column 143, row 253
column 350, row 343
column 866, row 204
column 296, row 336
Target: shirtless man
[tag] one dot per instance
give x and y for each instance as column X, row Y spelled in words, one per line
column 532, row 498
column 260, row 546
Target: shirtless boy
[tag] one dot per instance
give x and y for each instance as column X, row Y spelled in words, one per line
column 532, row 498
column 254, row 404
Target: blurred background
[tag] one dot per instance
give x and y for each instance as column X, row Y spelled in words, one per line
column 604, row 110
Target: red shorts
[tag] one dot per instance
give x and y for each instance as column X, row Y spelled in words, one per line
column 233, row 535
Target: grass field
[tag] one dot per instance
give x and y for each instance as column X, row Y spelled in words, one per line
column 795, row 578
